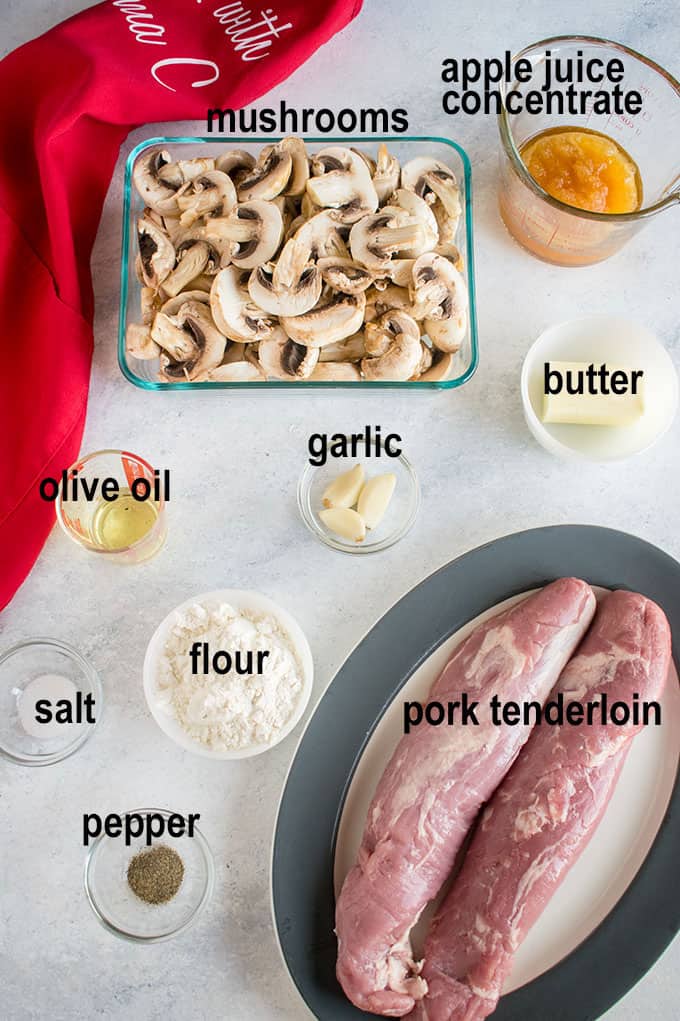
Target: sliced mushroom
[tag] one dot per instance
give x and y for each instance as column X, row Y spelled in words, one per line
column 288, row 209
column 403, row 352
column 156, row 253
column 191, row 342
column 178, row 173
column 350, row 350
column 418, row 208
column 344, row 275
column 213, row 193
column 269, row 176
column 233, row 311
column 237, row 163
column 338, row 317
column 203, row 282
column 192, row 258
column 299, row 175
column 308, row 208
column 283, row 358
column 376, row 338
column 232, row 372
column 150, row 301
column 254, row 229
column 386, row 174
column 342, row 181
column 368, row 160
column 442, row 363
column 289, row 288
column 439, row 291
column 335, row 372
column 172, row 306
column 379, row 335
column 425, row 361
column 235, row 352
column 436, row 183
column 400, row 272
column 159, row 195
column 139, row 342
column 393, row 297
column 375, row 239
column 322, row 236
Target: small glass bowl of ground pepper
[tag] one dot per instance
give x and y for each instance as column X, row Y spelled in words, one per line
column 149, row 892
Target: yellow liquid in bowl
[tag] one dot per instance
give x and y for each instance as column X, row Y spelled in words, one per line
column 120, row 524
column 584, row 169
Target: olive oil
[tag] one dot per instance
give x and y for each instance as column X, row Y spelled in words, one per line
column 123, row 522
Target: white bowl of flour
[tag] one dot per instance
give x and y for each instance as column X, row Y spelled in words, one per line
column 228, row 674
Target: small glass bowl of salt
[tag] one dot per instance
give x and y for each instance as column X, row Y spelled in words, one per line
column 50, row 702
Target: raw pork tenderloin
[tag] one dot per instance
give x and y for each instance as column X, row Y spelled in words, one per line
column 543, row 815
column 434, row 786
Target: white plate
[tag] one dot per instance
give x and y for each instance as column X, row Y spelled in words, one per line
column 612, row 858
column 241, row 600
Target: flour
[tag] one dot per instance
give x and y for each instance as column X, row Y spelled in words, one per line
column 228, row 712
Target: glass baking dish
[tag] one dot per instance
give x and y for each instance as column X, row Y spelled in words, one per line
column 143, row 373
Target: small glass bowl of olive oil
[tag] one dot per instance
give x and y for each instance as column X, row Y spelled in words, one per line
column 113, row 502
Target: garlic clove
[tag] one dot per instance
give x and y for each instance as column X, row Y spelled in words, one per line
column 344, row 490
column 344, row 522
column 375, row 497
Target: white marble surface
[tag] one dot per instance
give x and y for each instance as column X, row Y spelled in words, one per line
column 233, row 522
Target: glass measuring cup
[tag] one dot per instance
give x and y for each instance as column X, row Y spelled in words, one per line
column 126, row 529
column 563, row 234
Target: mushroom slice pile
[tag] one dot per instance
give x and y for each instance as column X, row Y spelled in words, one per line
column 338, row 265
column 191, row 342
column 397, row 339
column 290, row 287
column 342, row 181
column 440, row 293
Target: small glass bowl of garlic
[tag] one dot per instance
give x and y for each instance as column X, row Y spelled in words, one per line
column 363, row 502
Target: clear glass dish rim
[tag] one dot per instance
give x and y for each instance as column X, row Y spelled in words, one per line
column 129, row 936
column 307, row 386
column 90, row 673
column 512, row 152
column 310, row 522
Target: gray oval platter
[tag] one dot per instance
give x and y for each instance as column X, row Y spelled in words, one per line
column 630, row 939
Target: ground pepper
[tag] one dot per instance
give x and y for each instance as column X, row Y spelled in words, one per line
column 156, row 875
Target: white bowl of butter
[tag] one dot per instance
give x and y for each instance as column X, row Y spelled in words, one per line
column 600, row 388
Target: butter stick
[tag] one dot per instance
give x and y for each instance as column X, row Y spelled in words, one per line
column 582, row 393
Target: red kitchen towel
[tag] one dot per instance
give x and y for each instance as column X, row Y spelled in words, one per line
column 69, row 100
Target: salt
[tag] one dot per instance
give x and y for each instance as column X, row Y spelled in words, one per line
column 51, row 687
